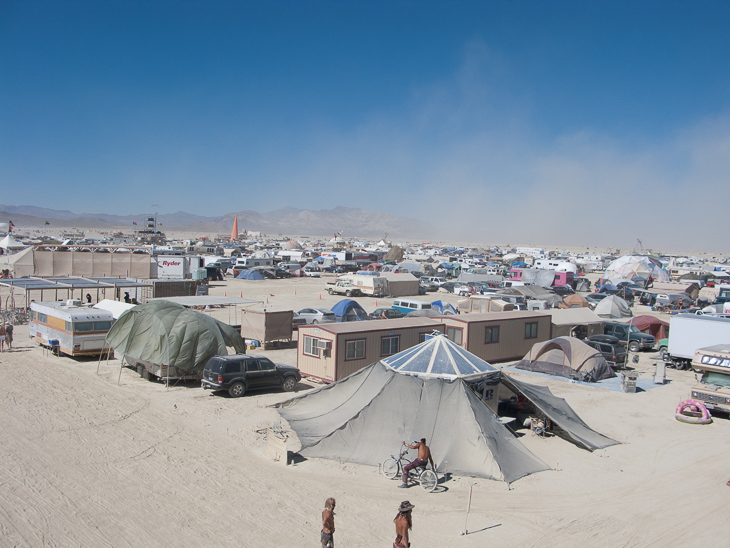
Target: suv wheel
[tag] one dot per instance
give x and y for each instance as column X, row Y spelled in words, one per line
column 289, row 384
column 237, row 390
column 633, row 346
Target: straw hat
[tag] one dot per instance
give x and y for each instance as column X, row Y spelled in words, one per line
column 406, row 506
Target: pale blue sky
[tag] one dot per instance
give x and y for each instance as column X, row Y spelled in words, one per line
column 521, row 121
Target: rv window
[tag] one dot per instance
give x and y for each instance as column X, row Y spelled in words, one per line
column 83, row 327
column 492, row 335
column 102, row 326
column 32, row 314
column 426, row 307
column 69, row 327
column 412, row 305
column 43, row 318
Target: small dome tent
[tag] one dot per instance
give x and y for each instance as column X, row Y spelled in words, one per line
column 567, row 357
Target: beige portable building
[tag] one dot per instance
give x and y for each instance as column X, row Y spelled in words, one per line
column 498, row 336
column 333, row 351
column 578, row 322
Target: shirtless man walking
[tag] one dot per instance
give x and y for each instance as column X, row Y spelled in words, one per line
column 424, row 457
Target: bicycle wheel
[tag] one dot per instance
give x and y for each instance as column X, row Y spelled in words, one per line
column 391, row 468
column 428, row 480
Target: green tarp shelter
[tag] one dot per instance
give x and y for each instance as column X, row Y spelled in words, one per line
column 162, row 332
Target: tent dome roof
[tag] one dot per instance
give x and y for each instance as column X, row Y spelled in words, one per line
column 438, row 358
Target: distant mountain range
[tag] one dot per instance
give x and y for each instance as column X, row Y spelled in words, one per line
column 289, row 221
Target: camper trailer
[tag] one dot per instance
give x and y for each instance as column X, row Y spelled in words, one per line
column 373, row 286
column 69, row 327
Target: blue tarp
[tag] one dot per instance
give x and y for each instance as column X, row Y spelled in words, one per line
column 444, row 308
column 348, row 310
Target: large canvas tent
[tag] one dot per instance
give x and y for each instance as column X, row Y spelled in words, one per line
column 567, row 357
column 363, row 417
column 162, row 332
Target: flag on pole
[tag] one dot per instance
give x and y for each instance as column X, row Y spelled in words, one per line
column 10, row 226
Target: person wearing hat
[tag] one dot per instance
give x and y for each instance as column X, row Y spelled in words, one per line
column 403, row 524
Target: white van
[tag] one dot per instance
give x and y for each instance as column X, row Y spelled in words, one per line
column 409, row 305
column 439, row 281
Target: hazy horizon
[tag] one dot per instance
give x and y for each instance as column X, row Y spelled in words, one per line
column 592, row 124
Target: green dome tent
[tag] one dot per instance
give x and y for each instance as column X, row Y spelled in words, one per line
column 160, row 333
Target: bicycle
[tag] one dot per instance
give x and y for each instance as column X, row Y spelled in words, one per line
column 392, row 467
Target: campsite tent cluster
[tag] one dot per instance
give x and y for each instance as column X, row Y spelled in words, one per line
column 435, row 390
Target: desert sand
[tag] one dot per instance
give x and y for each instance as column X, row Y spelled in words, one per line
column 112, row 460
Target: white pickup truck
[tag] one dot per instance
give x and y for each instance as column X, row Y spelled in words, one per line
column 344, row 288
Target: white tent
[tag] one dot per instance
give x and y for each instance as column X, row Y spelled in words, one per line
column 8, row 243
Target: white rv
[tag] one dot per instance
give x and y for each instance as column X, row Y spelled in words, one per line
column 69, row 327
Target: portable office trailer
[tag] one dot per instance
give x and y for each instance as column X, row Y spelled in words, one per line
column 69, row 326
column 333, row 351
column 498, row 336
column 574, row 322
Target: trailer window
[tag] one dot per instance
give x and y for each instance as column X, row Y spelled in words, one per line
column 102, row 326
column 83, row 327
column 43, row 318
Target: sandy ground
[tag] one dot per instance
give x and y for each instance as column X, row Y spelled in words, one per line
column 107, row 460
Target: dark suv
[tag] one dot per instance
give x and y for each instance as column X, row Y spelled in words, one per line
column 610, row 347
column 630, row 334
column 242, row 372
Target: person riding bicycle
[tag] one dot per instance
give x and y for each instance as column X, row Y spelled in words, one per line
column 424, row 457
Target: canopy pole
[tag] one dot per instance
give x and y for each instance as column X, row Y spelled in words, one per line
column 100, row 356
column 121, row 364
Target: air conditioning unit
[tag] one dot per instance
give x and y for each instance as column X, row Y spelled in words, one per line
column 324, row 345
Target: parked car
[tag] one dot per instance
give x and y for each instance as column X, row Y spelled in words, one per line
column 317, row 315
column 297, row 320
column 448, row 287
column 427, row 284
column 464, row 290
column 240, row 373
column 562, row 290
column 312, row 273
column 385, row 313
column 594, row 298
column 611, row 348
column 662, row 346
column 629, row 334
